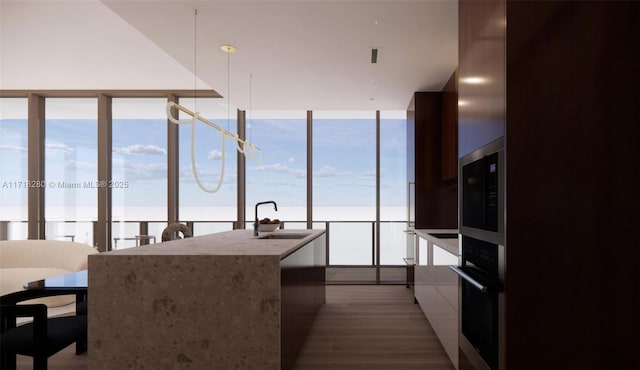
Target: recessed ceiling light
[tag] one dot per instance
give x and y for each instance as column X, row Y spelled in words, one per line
column 228, row 48
column 474, row 80
column 463, row 103
column 372, row 99
column 375, row 21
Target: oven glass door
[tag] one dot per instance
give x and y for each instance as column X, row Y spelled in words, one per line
column 480, row 193
column 473, row 194
column 480, row 315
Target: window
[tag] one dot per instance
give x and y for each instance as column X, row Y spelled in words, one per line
column 139, row 169
column 210, row 212
column 13, row 168
column 344, row 183
column 71, row 134
column 280, row 173
column 344, row 174
column 394, row 242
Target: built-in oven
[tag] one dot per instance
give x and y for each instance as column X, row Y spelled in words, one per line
column 483, row 256
column 481, row 185
column 481, row 287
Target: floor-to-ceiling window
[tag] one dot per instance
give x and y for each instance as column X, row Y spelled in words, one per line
column 344, row 183
column 71, row 133
column 209, row 209
column 344, row 174
column 13, row 168
column 279, row 174
column 139, row 170
column 395, row 243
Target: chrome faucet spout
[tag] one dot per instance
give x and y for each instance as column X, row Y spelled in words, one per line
column 255, row 223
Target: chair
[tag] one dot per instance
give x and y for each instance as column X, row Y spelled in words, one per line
column 40, row 338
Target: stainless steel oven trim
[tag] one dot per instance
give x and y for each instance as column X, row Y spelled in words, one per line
column 469, row 279
column 494, row 146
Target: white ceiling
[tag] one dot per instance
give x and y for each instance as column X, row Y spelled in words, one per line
column 300, row 54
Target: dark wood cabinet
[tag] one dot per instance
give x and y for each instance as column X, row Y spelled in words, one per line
column 449, row 140
column 433, row 202
column 562, row 87
column 302, row 294
column 481, row 73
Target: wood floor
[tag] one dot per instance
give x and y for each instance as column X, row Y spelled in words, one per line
column 63, row 360
column 360, row 327
column 371, row 327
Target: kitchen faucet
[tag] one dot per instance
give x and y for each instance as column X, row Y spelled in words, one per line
column 255, row 224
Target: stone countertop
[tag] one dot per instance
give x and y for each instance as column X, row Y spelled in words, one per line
column 228, row 243
column 451, row 245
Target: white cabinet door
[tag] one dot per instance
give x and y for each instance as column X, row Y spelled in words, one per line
column 436, row 290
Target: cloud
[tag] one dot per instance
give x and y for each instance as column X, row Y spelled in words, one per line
column 280, row 168
column 140, row 149
column 351, row 177
column 368, row 175
column 207, row 176
column 80, row 165
column 291, row 160
column 53, row 149
column 138, row 171
column 215, row 154
column 13, row 148
column 326, row 171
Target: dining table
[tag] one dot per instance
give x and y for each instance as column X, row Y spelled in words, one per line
column 71, row 283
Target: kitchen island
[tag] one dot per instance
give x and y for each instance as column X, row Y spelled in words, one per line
column 221, row 301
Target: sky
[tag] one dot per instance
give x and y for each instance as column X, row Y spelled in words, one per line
column 343, row 161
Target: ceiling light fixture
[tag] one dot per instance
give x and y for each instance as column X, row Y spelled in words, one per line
column 246, row 148
column 228, row 48
column 474, row 80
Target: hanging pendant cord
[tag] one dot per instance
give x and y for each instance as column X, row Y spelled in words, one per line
column 228, row 91
column 195, row 58
column 250, row 106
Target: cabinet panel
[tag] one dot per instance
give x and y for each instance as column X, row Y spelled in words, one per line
column 450, row 130
column 434, row 203
column 482, row 86
column 436, row 290
column 573, row 107
column 302, row 281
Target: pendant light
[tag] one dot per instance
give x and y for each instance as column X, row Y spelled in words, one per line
column 246, row 148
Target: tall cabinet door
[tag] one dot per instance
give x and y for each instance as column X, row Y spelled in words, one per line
column 433, row 202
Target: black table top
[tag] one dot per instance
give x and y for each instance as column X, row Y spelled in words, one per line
column 71, row 283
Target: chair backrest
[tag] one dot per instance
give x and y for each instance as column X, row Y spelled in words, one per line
column 61, row 254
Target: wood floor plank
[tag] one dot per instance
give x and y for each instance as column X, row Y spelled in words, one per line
column 371, row 327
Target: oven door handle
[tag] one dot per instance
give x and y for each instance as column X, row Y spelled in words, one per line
column 469, row 279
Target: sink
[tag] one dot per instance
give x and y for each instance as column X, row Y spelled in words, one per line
column 444, row 235
column 284, row 236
